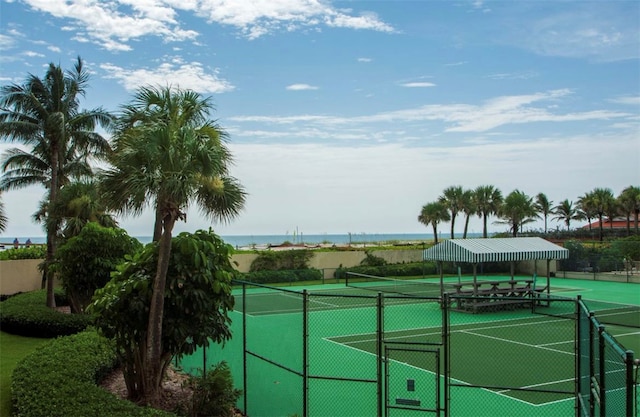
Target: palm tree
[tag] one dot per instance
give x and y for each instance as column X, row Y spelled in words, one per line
column 586, row 207
column 487, row 200
column 603, row 200
column 468, row 208
column 629, row 202
column 434, row 213
column 517, row 210
column 3, row 217
column 543, row 206
column 79, row 202
column 45, row 116
column 566, row 212
column 168, row 153
column 452, row 199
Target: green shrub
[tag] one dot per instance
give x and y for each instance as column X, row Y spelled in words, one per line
column 60, row 379
column 32, row 252
column 412, row 269
column 271, row 277
column 26, row 314
column 213, row 393
column 84, row 263
column 281, row 260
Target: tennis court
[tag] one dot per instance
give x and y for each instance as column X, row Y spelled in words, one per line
column 317, row 351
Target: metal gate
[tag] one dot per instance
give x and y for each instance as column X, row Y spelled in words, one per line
column 409, row 389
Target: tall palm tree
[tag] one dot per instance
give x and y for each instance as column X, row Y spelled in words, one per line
column 602, row 201
column 3, row 217
column 468, row 208
column 452, row 198
column 629, row 202
column 487, row 200
column 434, row 213
column 45, row 116
column 543, row 207
column 566, row 212
column 516, row 211
column 169, row 154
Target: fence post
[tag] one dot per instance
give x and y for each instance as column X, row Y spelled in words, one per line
column 305, row 353
column 631, row 389
column 244, row 344
column 379, row 353
column 603, row 371
column 445, row 345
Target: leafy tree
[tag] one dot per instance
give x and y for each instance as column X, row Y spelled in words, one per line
column 452, row 197
column 602, row 200
column 544, row 207
column 169, row 154
column 45, row 116
column 434, row 213
column 488, row 200
column 84, row 262
column 566, row 212
column 517, row 210
column 198, row 299
column 629, row 203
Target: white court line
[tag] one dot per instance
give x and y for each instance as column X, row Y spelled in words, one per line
column 516, row 343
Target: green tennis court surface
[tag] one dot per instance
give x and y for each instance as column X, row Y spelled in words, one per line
column 503, row 363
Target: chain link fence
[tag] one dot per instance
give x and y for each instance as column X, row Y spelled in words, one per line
column 350, row 353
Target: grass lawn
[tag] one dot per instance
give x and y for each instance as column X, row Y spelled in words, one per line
column 12, row 349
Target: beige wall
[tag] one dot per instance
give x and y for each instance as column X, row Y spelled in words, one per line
column 20, row 276
column 23, row 275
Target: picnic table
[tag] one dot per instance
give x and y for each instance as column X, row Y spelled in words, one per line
column 493, row 295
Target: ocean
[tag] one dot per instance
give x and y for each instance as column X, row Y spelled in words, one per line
column 241, row 241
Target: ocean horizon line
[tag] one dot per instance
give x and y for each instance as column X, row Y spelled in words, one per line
column 276, row 239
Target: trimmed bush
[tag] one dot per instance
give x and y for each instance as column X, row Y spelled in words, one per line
column 60, row 379
column 26, row 314
column 271, row 277
column 32, row 252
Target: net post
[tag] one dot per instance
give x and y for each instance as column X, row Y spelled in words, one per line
column 379, row 347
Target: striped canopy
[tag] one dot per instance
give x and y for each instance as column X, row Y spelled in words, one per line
column 495, row 250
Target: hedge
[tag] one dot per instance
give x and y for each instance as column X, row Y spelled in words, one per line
column 60, row 379
column 27, row 314
column 270, row 277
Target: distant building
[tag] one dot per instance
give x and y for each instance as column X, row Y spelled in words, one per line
column 618, row 223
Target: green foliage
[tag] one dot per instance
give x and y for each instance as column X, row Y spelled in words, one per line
column 281, row 260
column 270, row 277
column 628, row 248
column 60, row 379
column 213, row 393
column 372, row 260
column 27, row 315
column 84, row 263
column 32, row 252
column 197, row 300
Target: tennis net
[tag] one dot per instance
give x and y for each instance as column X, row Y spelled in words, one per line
column 417, row 287
column 613, row 313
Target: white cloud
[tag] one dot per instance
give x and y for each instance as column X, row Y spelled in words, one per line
column 420, row 84
column 301, row 87
column 32, row 54
column 630, row 100
column 187, row 75
column 365, row 59
column 54, row 49
column 114, row 23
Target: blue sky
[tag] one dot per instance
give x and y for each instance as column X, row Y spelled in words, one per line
column 349, row 116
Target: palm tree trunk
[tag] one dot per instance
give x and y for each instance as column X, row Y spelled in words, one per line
column 51, row 225
column 466, row 227
column 453, row 223
column 153, row 355
column 484, row 226
column 435, row 232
